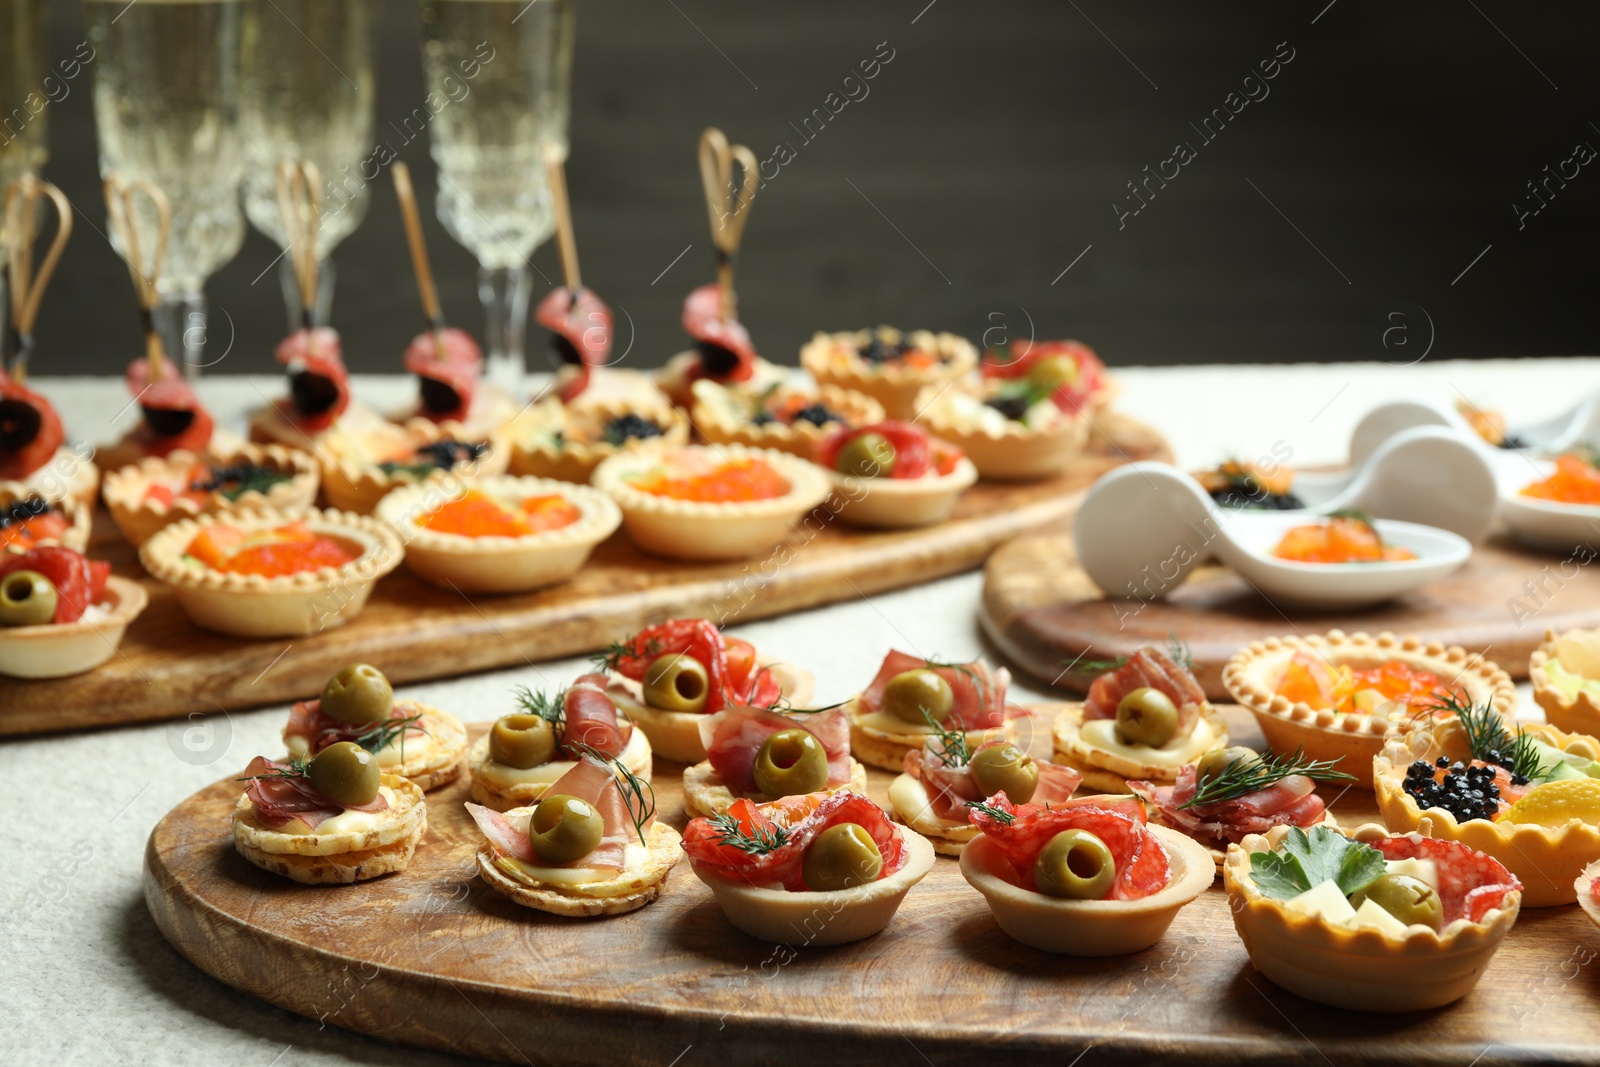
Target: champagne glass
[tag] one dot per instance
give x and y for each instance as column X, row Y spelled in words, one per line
column 500, row 70
column 308, row 96
column 166, row 105
column 23, row 104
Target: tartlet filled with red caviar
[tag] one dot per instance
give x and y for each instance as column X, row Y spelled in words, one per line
column 272, row 573
column 706, row 503
column 569, row 439
column 788, row 416
column 892, row 475
column 499, row 535
column 60, row 612
column 29, row 520
column 160, row 490
column 890, row 366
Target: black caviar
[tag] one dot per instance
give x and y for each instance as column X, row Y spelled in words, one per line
column 20, row 511
column 1012, row 407
column 627, row 427
column 816, row 415
column 237, row 479
column 1251, row 495
column 878, row 350
column 1467, row 791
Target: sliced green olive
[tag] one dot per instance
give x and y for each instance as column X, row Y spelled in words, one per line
column 842, row 857
column 1076, row 865
column 790, row 763
column 1218, row 760
column 345, row 773
column 676, row 682
column 1005, row 767
column 908, row 694
column 358, row 693
column 564, row 828
column 1411, row 900
column 27, row 599
column 1054, row 372
column 1146, row 716
column 867, row 456
column 521, row 740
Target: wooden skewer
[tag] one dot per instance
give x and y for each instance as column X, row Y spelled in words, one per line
column 565, row 237
column 299, row 187
column 120, row 208
column 728, row 211
column 27, row 288
column 419, row 248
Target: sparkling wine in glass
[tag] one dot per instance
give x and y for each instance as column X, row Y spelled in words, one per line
column 24, row 104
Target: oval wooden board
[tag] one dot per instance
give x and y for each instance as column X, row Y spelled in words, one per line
column 432, row 957
column 1043, row 612
column 168, row 668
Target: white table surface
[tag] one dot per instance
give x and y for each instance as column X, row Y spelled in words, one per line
column 87, row 978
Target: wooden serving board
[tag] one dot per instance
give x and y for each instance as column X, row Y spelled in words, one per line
column 433, row 957
column 1043, row 612
column 168, row 668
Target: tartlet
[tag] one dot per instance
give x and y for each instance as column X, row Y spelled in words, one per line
column 879, row 737
column 1365, row 968
column 361, row 466
column 1587, row 887
column 787, row 417
column 61, row 649
column 519, row 552
column 1253, row 675
column 551, row 439
column 887, row 365
column 1002, row 448
column 160, row 490
column 1565, row 674
column 735, row 739
column 288, row 605
column 892, row 475
column 28, row 519
column 765, row 494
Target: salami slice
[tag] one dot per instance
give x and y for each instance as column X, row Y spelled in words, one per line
column 30, row 430
column 1471, row 884
column 913, row 451
column 582, row 331
column 78, row 580
column 319, row 385
column 726, row 352
column 729, row 661
column 1142, row 864
column 1024, row 355
column 803, row 818
column 448, row 363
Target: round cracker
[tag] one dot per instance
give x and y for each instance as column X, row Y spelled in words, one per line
column 704, row 794
column 632, row 892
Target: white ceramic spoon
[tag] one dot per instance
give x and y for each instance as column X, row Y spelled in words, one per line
column 1578, row 425
column 1144, row 527
column 1543, row 524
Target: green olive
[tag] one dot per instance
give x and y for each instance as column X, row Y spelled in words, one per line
column 1075, row 864
column 867, row 456
column 521, row 740
column 676, row 682
column 358, row 693
column 1411, row 900
column 1218, row 760
column 345, row 773
column 842, row 857
column 1054, row 372
column 790, row 763
column 1005, row 767
column 908, row 694
column 26, row 599
column 564, row 828
column 1146, row 716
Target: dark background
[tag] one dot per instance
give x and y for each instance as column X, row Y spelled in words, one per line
column 986, row 158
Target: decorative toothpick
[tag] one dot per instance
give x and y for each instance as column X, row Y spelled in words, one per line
column 728, row 210
column 27, row 287
column 120, row 196
column 565, row 238
column 419, row 255
column 300, row 204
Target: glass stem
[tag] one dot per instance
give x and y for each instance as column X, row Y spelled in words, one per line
column 504, row 292
column 181, row 318
column 326, row 276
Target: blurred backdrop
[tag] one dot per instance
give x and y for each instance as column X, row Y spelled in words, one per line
column 1170, row 182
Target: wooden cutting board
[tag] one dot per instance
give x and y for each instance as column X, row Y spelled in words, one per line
column 432, row 957
column 1043, row 612
column 168, row 668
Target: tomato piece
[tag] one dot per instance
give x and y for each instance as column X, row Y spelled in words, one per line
column 28, row 533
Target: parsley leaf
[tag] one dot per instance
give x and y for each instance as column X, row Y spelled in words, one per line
column 1305, row 861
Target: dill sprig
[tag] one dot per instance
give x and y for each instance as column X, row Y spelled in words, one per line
column 299, row 767
column 952, row 748
column 1489, row 739
column 617, row 651
column 1177, row 651
column 1358, row 516
column 1005, row 818
column 1243, row 776
column 381, row 733
column 552, row 709
column 757, row 842
column 978, row 681
column 637, row 794
column 783, row 707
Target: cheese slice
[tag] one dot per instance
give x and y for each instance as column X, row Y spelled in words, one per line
column 501, row 775
column 1371, row 914
column 405, row 746
column 1102, row 734
column 1325, row 901
column 634, row 856
column 346, row 822
column 1422, row 870
column 909, row 798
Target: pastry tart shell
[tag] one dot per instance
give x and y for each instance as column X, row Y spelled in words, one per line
column 288, row 606
column 814, row 920
column 59, row 650
column 718, row 424
column 1252, row 676
column 1108, row 772
column 1358, row 968
column 499, row 564
column 1585, row 889
column 628, row 891
column 673, row 379
column 833, row 359
column 947, row 838
column 124, row 489
column 1577, row 714
column 352, row 484
column 336, row 859
column 1088, row 927
column 1017, row 453
column 636, row 756
column 79, row 515
column 695, row 530
column 575, row 462
column 901, row 503
column 491, row 408
column 887, row 750
column 675, row 735
column 1546, row 859
column 68, row 475
column 267, row 426
column 705, row 794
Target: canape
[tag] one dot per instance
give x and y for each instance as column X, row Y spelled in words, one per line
column 28, row 520
column 1565, row 673
column 893, row 475
column 765, row 754
column 807, row 871
column 448, row 364
column 1369, row 922
column 160, row 490
column 61, row 613
column 333, row 819
column 722, row 353
column 499, row 535
column 419, row 743
column 788, row 416
column 272, row 573
column 363, row 464
column 1587, row 887
column 710, row 502
column 912, row 699
column 1087, row 877
column 171, row 419
column 515, row 763
column 581, row 338
column 554, row 439
column 33, row 449
column 1147, row 718
column 1334, row 696
column 1070, row 371
column 889, row 366
column 1530, row 799
column 944, row 777
column 591, row 846
column 318, row 396
column 668, row 677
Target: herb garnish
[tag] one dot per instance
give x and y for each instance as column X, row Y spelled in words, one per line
column 952, row 747
column 637, row 794
column 617, row 651
column 1177, row 651
column 381, row 733
column 758, row 841
column 1489, row 739
column 552, row 709
column 1005, row 818
column 1242, row 776
column 1304, row 861
column 299, row 767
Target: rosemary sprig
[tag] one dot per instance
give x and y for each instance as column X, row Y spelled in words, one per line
column 1489, row 739
column 1241, row 777
column 758, row 842
column 637, row 794
column 1005, row 818
column 952, row 748
column 552, row 709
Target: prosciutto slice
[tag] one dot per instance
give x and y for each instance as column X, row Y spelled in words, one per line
column 730, row 663
column 1289, row 802
column 804, row 818
column 980, row 695
column 950, row 788
column 1147, row 667
column 726, row 352
column 1142, row 864
column 733, row 737
column 319, row 385
column 281, row 799
column 589, row 780
column 448, row 362
column 591, row 718
column 913, row 449
column 583, row 332
column 307, row 720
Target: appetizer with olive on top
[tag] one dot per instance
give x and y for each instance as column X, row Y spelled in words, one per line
column 764, row 754
column 61, row 613
column 912, row 699
column 893, row 475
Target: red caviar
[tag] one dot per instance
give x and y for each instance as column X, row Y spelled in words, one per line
column 1339, row 540
column 289, row 549
column 1576, row 481
column 735, row 481
column 477, row 514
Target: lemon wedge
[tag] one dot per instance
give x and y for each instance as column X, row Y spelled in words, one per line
column 1557, row 803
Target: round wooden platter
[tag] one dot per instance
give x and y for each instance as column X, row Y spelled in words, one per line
column 1043, row 613
column 432, row 957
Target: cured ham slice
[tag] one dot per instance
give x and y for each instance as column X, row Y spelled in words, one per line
column 1153, row 668
column 980, row 695
column 733, row 736
column 78, row 580
column 1471, row 884
column 1142, row 865
column 174, row 418
column 803, row 818
column 307, row 720
column 726, row 352
column 730, row 663
column 448, row 363
column 590, row 781
column 1289, row 802
column 319, row 385
column 950, row 788
column 281, row 798
column 30, row 430
column 591, row 718
column 583, row 333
